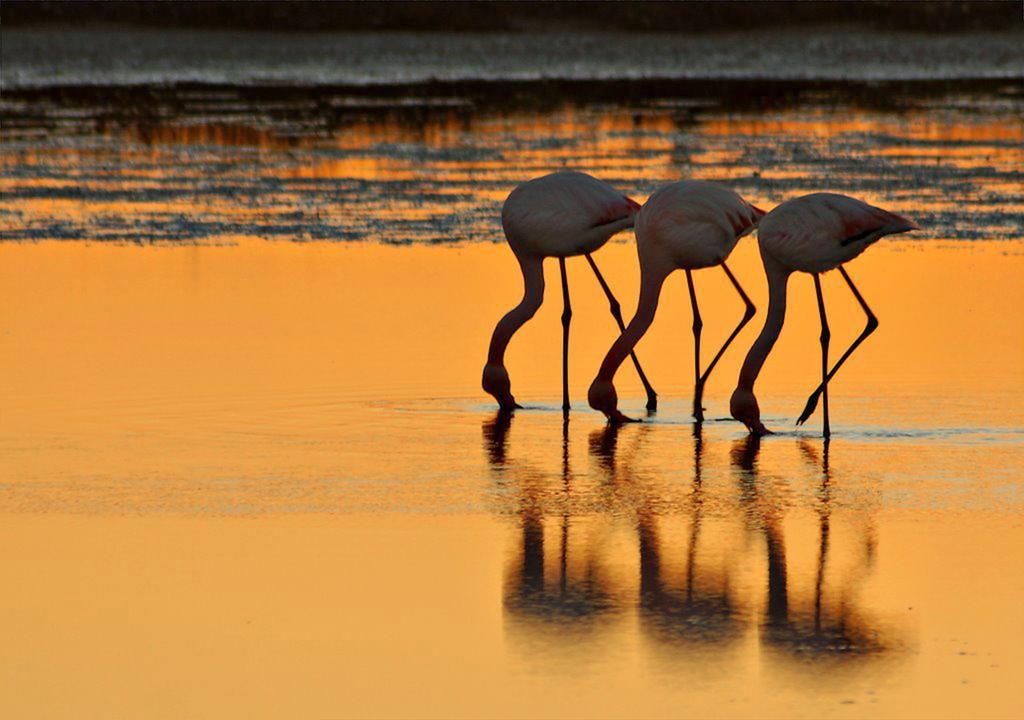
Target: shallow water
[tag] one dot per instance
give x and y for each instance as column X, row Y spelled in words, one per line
column 245, row 478
column 242, row 476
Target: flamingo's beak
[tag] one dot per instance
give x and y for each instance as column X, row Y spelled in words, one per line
column 617, row 418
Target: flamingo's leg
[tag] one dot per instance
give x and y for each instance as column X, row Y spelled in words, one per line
column 698, row 324
column 872, row 324
column 748, row 313
column 825, row 335
column 652, row 397
column 566, row 317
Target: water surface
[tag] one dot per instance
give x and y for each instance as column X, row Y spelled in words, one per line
column 241, row 475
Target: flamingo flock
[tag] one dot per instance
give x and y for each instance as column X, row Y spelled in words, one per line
column 687, row 225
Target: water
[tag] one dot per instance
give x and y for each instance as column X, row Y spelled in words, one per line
column 247, row 475
column 407, row 162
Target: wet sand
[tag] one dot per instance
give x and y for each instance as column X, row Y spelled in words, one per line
column 252, row 479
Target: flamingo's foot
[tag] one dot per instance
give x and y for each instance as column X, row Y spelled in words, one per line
column 809, row 408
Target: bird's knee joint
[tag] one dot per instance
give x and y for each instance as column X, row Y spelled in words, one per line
column 566, row 317
column 615, row 308
column 698, row 325
column 750, row 312
column 872, row 324
column 825, row 336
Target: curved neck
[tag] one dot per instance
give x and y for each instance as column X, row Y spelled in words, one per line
column 778, row 279
column 533, row 295
column 651, row 282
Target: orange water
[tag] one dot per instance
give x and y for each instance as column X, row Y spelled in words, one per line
column 261, row 480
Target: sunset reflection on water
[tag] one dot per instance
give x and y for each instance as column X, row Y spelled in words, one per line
column 438, row 175
column 265, row 474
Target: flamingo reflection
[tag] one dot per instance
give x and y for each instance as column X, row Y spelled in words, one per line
column 838, row 629
column 578, row 592
column 678, row 605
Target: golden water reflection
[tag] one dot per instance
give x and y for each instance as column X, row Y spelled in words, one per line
column 773, row 575
column 440, row 176
column 254, row 479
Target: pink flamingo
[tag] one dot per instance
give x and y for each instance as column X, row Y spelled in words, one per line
column 813, row 234
column 690, row 225
column 558, row 215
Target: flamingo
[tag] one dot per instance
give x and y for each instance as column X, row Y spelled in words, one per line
column 813, row 234
column 561, row 215
column 690, row 224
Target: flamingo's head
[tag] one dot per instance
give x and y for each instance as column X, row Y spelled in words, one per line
column 743, row 406
column 602, row 396
column 495, row 381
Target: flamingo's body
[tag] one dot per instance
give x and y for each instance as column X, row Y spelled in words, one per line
column 812, row 234
column 558, row 215
column 817, row 233
column 564, row 214
column 687, row 225
column 691, row 224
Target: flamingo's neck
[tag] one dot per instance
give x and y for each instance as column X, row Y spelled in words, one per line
column 778, row 592
column 533, row 295
column 651, row 282
column 778, row 278
column 650, row 558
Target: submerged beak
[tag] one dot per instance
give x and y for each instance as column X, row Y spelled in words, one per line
column 617, row 418
column 509, row 404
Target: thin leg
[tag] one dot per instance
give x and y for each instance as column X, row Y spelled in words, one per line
column 825, row 335
column 566, row 317
column 652, row 397
column 748, row 312
column 872, row 324
column 698, row 324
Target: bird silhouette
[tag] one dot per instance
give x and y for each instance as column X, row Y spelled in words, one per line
column 687, row 225
column 561, row 215
column 812, row 234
